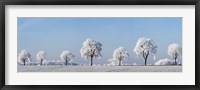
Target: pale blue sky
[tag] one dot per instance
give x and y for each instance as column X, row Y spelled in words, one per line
column 54, row 35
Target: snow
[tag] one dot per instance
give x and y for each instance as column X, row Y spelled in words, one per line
column 91, row 47
column 119, row 54
column 165, row 61
column 51, row 63
column 66, row 55
column 145, row 45
column 99, row 68
column 134, row 63
column 113, row 62
column 174, row 50
column 41, row 55
column 24, row 56
column 59, row 66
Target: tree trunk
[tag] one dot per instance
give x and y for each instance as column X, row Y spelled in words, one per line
column 145, row 56
column 145, row 62
column 91, row 60
column 175, row 62
column 175, row 57
column 119, row 62
column 41, row 62
column 24, row 62
column 66, row 62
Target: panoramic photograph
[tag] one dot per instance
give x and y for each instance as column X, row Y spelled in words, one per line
column 99, row 44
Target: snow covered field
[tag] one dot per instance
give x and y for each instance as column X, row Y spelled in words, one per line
column 99, row 69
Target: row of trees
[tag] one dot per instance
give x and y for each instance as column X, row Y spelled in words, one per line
column 25, row 57
column 92, row 49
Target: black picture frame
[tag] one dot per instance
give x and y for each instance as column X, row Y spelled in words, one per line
column 3, row 3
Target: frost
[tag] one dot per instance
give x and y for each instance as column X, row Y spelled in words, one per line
column 154, row 57
column 134, row 63
column 67, row 56
column 165, row 61
column 90, row 49
column 113, row 62
column 174, row 50
column 145, row 47
column 100, row 69
column 24, row 57
column 119, row 54
column 41, row 56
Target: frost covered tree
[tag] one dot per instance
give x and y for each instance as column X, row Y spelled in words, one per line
column 174, row 50
column 91, row 49
column 24, row 57
column 145, row 47
column 120, row 54
column 41, row 56
column 67, row 56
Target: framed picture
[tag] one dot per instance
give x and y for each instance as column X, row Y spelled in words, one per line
column 57, row 44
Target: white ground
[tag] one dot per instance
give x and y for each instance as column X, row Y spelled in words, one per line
column 99, row 68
